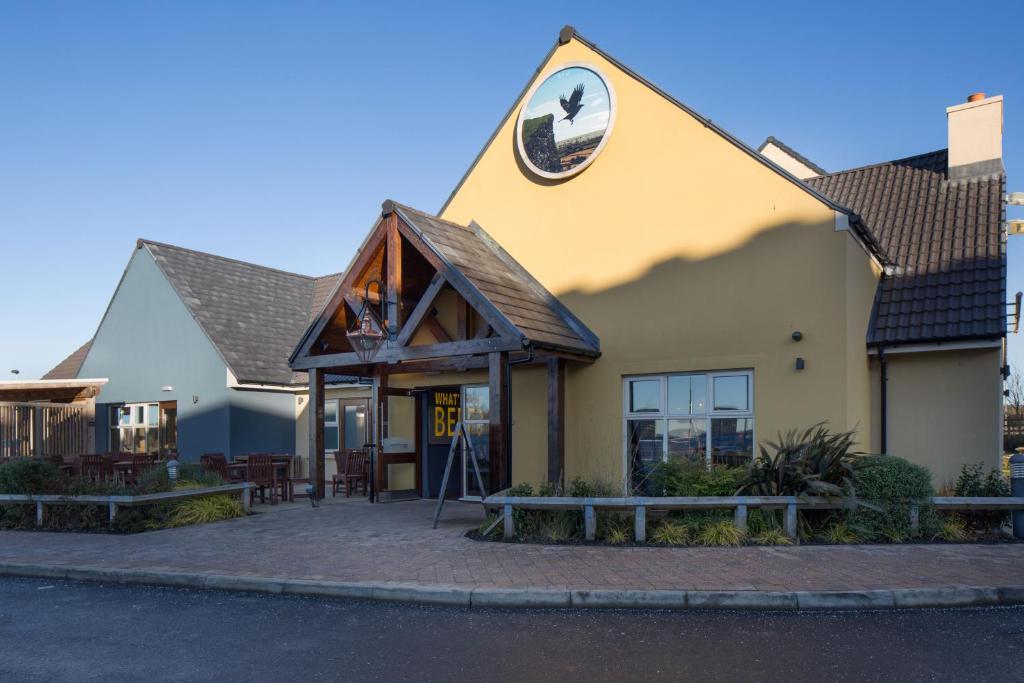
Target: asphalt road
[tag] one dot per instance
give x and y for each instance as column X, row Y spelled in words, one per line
column 64, row 631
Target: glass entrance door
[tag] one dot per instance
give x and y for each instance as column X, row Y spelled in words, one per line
column 476, row 416
column 398, row 463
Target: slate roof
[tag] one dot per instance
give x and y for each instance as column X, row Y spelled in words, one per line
column 945, row 239
column 772, row 140
column 254, row 315
column 70, row 366
column 518, row 296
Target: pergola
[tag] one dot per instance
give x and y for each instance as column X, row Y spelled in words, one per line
column 408, row 264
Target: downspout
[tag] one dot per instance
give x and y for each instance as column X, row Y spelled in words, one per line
column 883, row 373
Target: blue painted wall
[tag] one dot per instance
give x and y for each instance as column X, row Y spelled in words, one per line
column 147, row 340
column 262, row 422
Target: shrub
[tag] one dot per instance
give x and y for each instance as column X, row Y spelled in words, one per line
column 614, row 525
column 972, row 482
column 772, row 537
column 952, row 530
column 25, row 475
column 205, row 510
column 557, row 526
column 617, row 536
column 486, row 524
column 194, row 472
column 721, row 534
column 889, row 485
column 839, row 532
column 684, row 478
column 154, row 480
column 670, row 532
column 813, row 462
column 578, row 488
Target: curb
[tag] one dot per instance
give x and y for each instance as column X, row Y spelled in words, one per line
column 530, row 598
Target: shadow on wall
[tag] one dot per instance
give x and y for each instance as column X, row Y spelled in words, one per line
column 231, row 430
column 734, row 310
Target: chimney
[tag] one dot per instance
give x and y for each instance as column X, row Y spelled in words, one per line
column 975, row 137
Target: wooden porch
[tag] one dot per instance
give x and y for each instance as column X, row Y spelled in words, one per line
column 450, row 300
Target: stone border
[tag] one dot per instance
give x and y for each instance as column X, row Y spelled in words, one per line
column 451, row 595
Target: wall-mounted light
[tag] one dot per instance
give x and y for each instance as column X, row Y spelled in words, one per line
column 799, row 363
column 195, row 398
column 798, row 335
column 167, row 387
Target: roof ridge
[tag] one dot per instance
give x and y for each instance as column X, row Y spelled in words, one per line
column 569, row 32
column 229, row 259
column 772, row 140
column 890, row 162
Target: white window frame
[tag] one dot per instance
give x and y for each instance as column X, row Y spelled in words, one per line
column 663, row 414
column 148, row 407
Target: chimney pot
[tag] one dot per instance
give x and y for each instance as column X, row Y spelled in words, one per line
column 974, row 97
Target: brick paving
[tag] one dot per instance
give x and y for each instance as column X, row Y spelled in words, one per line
column 351, row 540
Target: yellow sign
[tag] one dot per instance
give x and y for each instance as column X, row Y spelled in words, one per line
column 445, row 412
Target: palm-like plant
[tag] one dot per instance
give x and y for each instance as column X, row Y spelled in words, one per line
column 812, row 462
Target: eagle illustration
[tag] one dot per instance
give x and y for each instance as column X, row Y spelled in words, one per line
column 572, row 105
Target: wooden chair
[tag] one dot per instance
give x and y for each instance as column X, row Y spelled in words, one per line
column 140, row 464
column 262, row 474
column 215, row 463
column 97, row 467
column 352, row 470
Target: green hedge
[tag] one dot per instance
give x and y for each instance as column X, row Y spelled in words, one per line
column 891, row 484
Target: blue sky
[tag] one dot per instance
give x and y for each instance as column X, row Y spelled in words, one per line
column 271, row 132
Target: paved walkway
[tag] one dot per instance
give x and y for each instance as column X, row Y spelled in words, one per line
column 353, row 541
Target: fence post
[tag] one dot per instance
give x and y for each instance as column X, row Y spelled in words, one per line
column 741, row 517
column 915, row 519
column 246, row 499
column 112, row 510
column 640, row 524
column 510, row 529
column 791, row 519
column 589, row 522
column 39, row 513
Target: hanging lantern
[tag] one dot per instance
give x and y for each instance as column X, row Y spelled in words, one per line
column 369, row 333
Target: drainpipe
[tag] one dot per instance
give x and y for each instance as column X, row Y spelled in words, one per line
column 884, row 375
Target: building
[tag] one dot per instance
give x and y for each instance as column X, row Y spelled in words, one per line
column 617, row 281
column 195, row 349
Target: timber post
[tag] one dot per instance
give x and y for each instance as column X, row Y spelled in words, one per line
column 497, row 441
column 316, row 433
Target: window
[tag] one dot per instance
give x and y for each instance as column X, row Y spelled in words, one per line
column 135, row 428
column 477, row 415
column 331, row 430
column 699, row 417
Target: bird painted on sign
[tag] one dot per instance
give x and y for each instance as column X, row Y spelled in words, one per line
column 572, row 105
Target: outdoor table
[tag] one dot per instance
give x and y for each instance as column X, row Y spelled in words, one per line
column 282, row 464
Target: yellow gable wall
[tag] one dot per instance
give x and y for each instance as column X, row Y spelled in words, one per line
column 682, row 253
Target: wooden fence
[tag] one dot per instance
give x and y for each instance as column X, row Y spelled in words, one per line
column 739, row 505
column 40, row 429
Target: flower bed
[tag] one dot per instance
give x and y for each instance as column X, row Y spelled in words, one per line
column 807, row 487
column 35, row 495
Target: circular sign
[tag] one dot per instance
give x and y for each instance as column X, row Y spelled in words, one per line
column 566, row 121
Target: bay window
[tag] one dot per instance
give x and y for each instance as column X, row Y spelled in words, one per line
column 705, row 418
